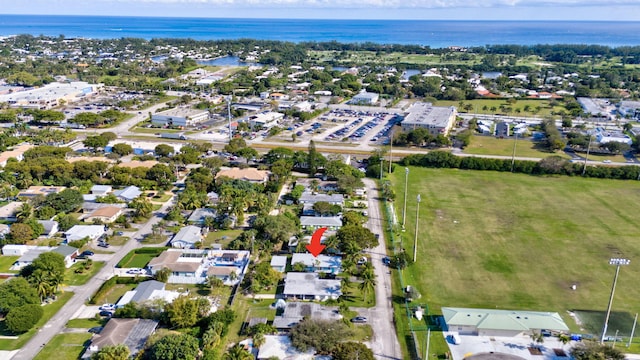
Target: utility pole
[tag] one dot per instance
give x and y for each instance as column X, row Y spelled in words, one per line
column 415, row 240
column 633, row 330
column 229, row 115
column 406, row 190
column 617, row 262
column 390, row 151
column 584, row 168
column 513, row 156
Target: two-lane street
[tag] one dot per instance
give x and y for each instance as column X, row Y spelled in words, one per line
column 384, row 343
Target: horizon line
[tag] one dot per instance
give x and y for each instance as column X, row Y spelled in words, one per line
column 324, row 18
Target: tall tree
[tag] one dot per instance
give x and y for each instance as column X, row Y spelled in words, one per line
column 313, row 159
column 237, row 352
column 113, row 352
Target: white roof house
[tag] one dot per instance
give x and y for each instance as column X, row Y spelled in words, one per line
column 129, row 193
column 146, row 291
column 266, row 119
column 198, row 215
column 279, row 263
column 321, row 263
column 311, row 198
column 187, row 237
column 309, row 286
column 50, row 227
column 101, row 190
column 314, row 222
column 279, row 347
column 79, row 232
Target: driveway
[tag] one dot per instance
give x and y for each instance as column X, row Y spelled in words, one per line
column 384, row 343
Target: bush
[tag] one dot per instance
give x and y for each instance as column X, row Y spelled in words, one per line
column 23, row 318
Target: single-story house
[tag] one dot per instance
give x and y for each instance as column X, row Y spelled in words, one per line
column 4, row 230
column 247, row 174
column 8, row 212
column 101, row 190
column 36, row 190
column 213, row 197
column 105, row 214
column 312, row 198
column 316, row 222
column 294, row 312
column 279, row 263
column 90, row 206
column 321, row 263
column 79, row 232
column 309, row 286
column 50, row 227
column 507, row 323
column 322, row 185
column 19, row 250
column 69, row 253
column 129, row 193
column 192, row 266
column 146, row 291
column 187, row 237
column 27, row 257
column 279, row 347
column 198, row 215
column 133, row 333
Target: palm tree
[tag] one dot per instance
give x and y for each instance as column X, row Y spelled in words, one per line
column 368, row 282
column 237, row 352
column 24, row 212
column 39, row 280
column 258, row 340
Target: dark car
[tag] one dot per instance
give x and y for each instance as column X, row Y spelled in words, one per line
column 386, row 260
column 359, row 320
column 106, row 313
column 87, row 253
column 103, row 244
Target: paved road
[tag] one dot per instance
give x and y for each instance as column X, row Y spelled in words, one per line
column 384, row 343
column 81, row 293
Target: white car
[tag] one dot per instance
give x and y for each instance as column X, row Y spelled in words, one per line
column 107, row 307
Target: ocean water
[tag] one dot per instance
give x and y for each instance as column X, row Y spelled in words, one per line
column 436, row 34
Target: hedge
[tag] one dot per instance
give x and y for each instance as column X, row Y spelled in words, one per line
column 553, row 165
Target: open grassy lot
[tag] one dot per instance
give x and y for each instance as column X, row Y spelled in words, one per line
column 223, row 237
column 513, row 241
column 64, row 347
column 139, row 258
column 490, row 145
column 522, row 107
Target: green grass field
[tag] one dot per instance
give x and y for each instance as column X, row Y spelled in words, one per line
column 522, row 107
column 73, row 279
column 490, row 145
column 6, row 262
column 513, row 241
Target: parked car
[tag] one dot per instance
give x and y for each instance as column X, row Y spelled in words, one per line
column 87, row 253
column 103, row 244
column 107, row 307
column 359, row 320
column 386, row 260
column 136, row 271
column 106, row 313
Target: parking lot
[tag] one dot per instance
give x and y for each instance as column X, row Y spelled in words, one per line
column 483, row 347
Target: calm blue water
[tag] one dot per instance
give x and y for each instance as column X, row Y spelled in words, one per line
column 429, row 32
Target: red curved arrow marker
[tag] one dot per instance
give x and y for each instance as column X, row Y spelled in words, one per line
column 315, row 248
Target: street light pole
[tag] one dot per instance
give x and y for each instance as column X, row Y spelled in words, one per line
column 584, row 168
column 513, row 156
column 406, row 190
column 229, row 116
column 415, row 241
column 617, row 262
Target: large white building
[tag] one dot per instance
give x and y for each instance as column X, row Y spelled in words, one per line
column 436, row 119
column 265, row 120
column 50, row 95
column 180, row 116
column 630, row 109
column 365, row 98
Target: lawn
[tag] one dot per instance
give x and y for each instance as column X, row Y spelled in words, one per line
column 73, row 279
column 139, row 258
column 49, row 311
column 114, row 294
column 6, row 262
column 85, row 323
column 514, row 241
column 490, row 145
column 64, row 347
column 522, row 107
column 223, row 237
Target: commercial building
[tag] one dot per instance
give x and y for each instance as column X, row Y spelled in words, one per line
column 265, row 120
column 438, row 120
column 50, row 95
column 630, row 109
column 365, row 98
column 180, row 116
column 491, row 322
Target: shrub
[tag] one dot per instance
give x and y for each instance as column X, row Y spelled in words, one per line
column 23, row 318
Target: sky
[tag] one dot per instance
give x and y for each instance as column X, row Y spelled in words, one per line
column 609, row 10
